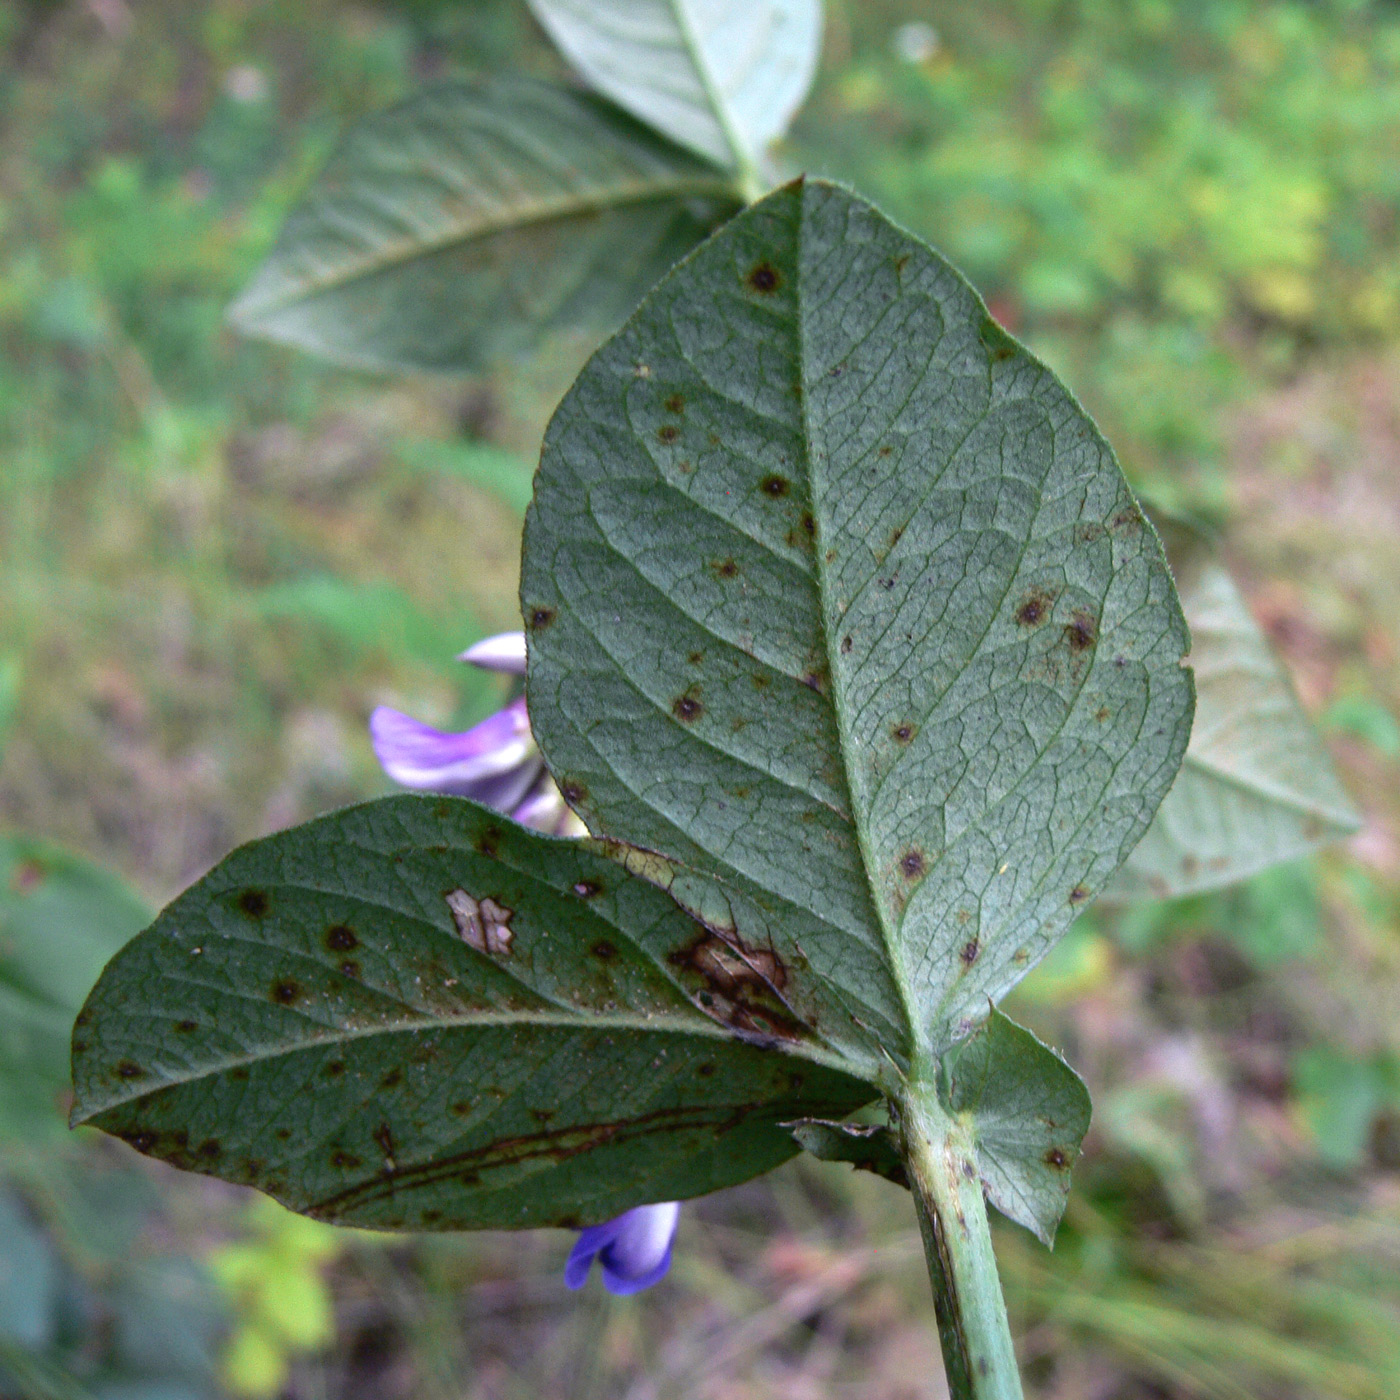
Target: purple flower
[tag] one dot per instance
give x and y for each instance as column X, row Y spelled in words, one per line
column 634, row 1250
column 496, row 763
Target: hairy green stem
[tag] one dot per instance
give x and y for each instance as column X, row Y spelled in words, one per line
column 972, row 1327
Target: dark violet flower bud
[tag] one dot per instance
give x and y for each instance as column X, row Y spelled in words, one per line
column 633, row 1250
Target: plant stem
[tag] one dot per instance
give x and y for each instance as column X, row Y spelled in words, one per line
column 972, row 1327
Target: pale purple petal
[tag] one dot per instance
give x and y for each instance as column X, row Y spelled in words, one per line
column 496, row 763
column 633, row 1250
column 503, row 652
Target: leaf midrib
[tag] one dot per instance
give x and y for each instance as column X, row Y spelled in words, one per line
column 573, row 205
column 738, row 149
column 918, row 1041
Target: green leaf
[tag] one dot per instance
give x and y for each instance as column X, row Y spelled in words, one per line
column 61, row 918
column 722, row 77
column 458, row 228
column 1256, row 786
column 1028, row 1111
column 9, row 696
column 416, row 1014
column 867, row 1146
column 836, row 597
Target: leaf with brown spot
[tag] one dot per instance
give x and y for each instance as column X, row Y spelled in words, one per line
column 1028, row 1112
column 919, row 423
column 410, row 1097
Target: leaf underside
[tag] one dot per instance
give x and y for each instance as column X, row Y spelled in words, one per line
column 835, row 596
column 416, row 1014
column 460, row 227
column 1256, row 786
column 1028, row 1111
column 723, row 79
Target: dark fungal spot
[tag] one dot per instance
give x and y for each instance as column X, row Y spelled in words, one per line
column 283, row 1135
column 334, row 1069
column 573, row 792
column 1056, row 1158
column 983, row 1366
column 240, row 1073
column 286, row 991
column 912, row 864
column 1078, row 895
column 350, row 968
column 1101, row 713
column 969, row 952
column 187, row 1027
column 129, row 1069
column 462, row 1107
column 760, row 681
column 903, row 732
column 687, row 708
column 846, row 645
column 489, row 842
column 254, row 903
column 392, row 1080
column 1081, row 632
column 1127, row 518
column 895, row 536
column 586, row 889
column 431, row 1217
column 676, row 403
column 775, row 486
column 540, row 618
column 668, row 432
column 346, row 1161
column 706, row 1070
column 696, row 657
column 727, row 568
column 340, row 938
column 808, row 522
column 886, row 450
column 604, row 951
column 813, row 681
column 764, row 278
column 142, row 1140
column 209, row 1149
column 1035, row 608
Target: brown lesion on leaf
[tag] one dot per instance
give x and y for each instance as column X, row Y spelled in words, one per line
column 603, row 950
column 687, row 707
column 912, row 864
column 1078, row 895
column 725, row 568
column 483, row 924
column 345, row 1161
column 903, row 733
column 668, row 432
column 1082, row 630
column 764, row 278
column 350, row 968
column 539, row 618
column 334, row 1069
column 555, row 1145
column 1127, row 517
column 392, row 1079
column 741, row 985
column 775, row 486
column 340, row 938
column 696, row 657
column 1057, row 1158
column 286, row 991
column 573, row 792
column 586, row 889
column 1035, row 607
column 675, row 404
column 129, row 1069
column 254, row 903
column 969, row 952
column 846, row 644
column 187, row 1027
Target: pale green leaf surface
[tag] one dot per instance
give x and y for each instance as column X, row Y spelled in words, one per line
column 722, row 77
column 1029, row 1112
column 61, row 918
column 416, row 1014
column 836, row 597
column 458, row 228
column 1256, row 786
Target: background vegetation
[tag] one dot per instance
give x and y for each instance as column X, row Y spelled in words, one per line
column 216, row 557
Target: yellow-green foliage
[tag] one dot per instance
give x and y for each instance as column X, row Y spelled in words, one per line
column 275, row 1282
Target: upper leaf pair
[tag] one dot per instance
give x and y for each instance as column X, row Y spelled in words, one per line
column 457, row 229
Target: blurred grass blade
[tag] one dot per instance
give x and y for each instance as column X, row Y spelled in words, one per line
column 835, row 596
column 722, row 77
column 458, row 228
column 415, row 1014
column 1256, row 786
